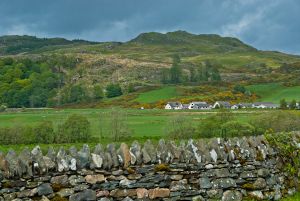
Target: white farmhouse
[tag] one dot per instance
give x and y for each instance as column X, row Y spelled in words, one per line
column 265, row 105
column 222, row 104
column 199, row 106
column 173, row 106
column 235, row 107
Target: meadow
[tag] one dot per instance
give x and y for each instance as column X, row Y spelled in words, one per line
column 143, row 124
column 274, row 92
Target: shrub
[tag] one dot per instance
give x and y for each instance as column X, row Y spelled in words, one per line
column 75, row 129
column 44, row 133
column 278, row 121
column 3, row 108
column 236, row 128
column 113, row 90
column 179, row 127
column 288, row 147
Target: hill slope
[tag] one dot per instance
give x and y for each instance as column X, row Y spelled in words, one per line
column 139, row 62
column 21, row 44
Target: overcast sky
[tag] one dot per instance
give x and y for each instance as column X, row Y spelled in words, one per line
column 265, row 24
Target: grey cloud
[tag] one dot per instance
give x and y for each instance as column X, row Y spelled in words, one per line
column 269, row 24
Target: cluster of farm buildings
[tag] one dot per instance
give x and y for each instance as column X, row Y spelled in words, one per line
column 220, row 104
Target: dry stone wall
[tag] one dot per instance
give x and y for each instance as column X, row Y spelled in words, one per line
column 211, row 169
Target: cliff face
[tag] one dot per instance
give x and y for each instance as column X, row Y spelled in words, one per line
column 196, row 170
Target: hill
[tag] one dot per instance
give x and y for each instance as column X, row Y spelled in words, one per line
column 22, row 44
column 68, row 68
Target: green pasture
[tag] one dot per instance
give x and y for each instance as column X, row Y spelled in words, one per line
column 158, row 94
column 143, row 123
column 274, row 92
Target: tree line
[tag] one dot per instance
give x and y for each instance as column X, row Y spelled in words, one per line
column 207, row 71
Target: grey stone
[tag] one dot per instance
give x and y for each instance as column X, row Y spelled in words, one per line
column 73, row 152
column 83, row 157
column 66, row 192
column 37, row 157
column 80, row 187
column 61, row 160
column 44, row 198
column 181, row 185
column 9, row 196
column 49, row 163
column 263, row 172
column 107, row 163
column 112, row 151
column 51, row 153
column 195, row 151
column 258, row 195
column 26, row 162
column 149, row 153
column 126, row 182
column 136, row 151
column 224, row 183
column 127, row 199
column 277, row 195
column 162, row 152
column 104, row 199
column 215, row 193
column 13, row 164
column 86, row 195
column 198, row 198
column 76, row 179
column 97, row 161
column 259, row 184
column 61, row 180
column 125, row 155
column 232, row 196
column 98, row 157
column 247, row 174
column 221, row 173
column 44, row 189
column 205, row 183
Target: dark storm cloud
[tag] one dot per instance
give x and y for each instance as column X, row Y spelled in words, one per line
column 268, row 24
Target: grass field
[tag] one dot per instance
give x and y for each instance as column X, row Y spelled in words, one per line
column 158, row 94
column 274, row 92
column 144, row 124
